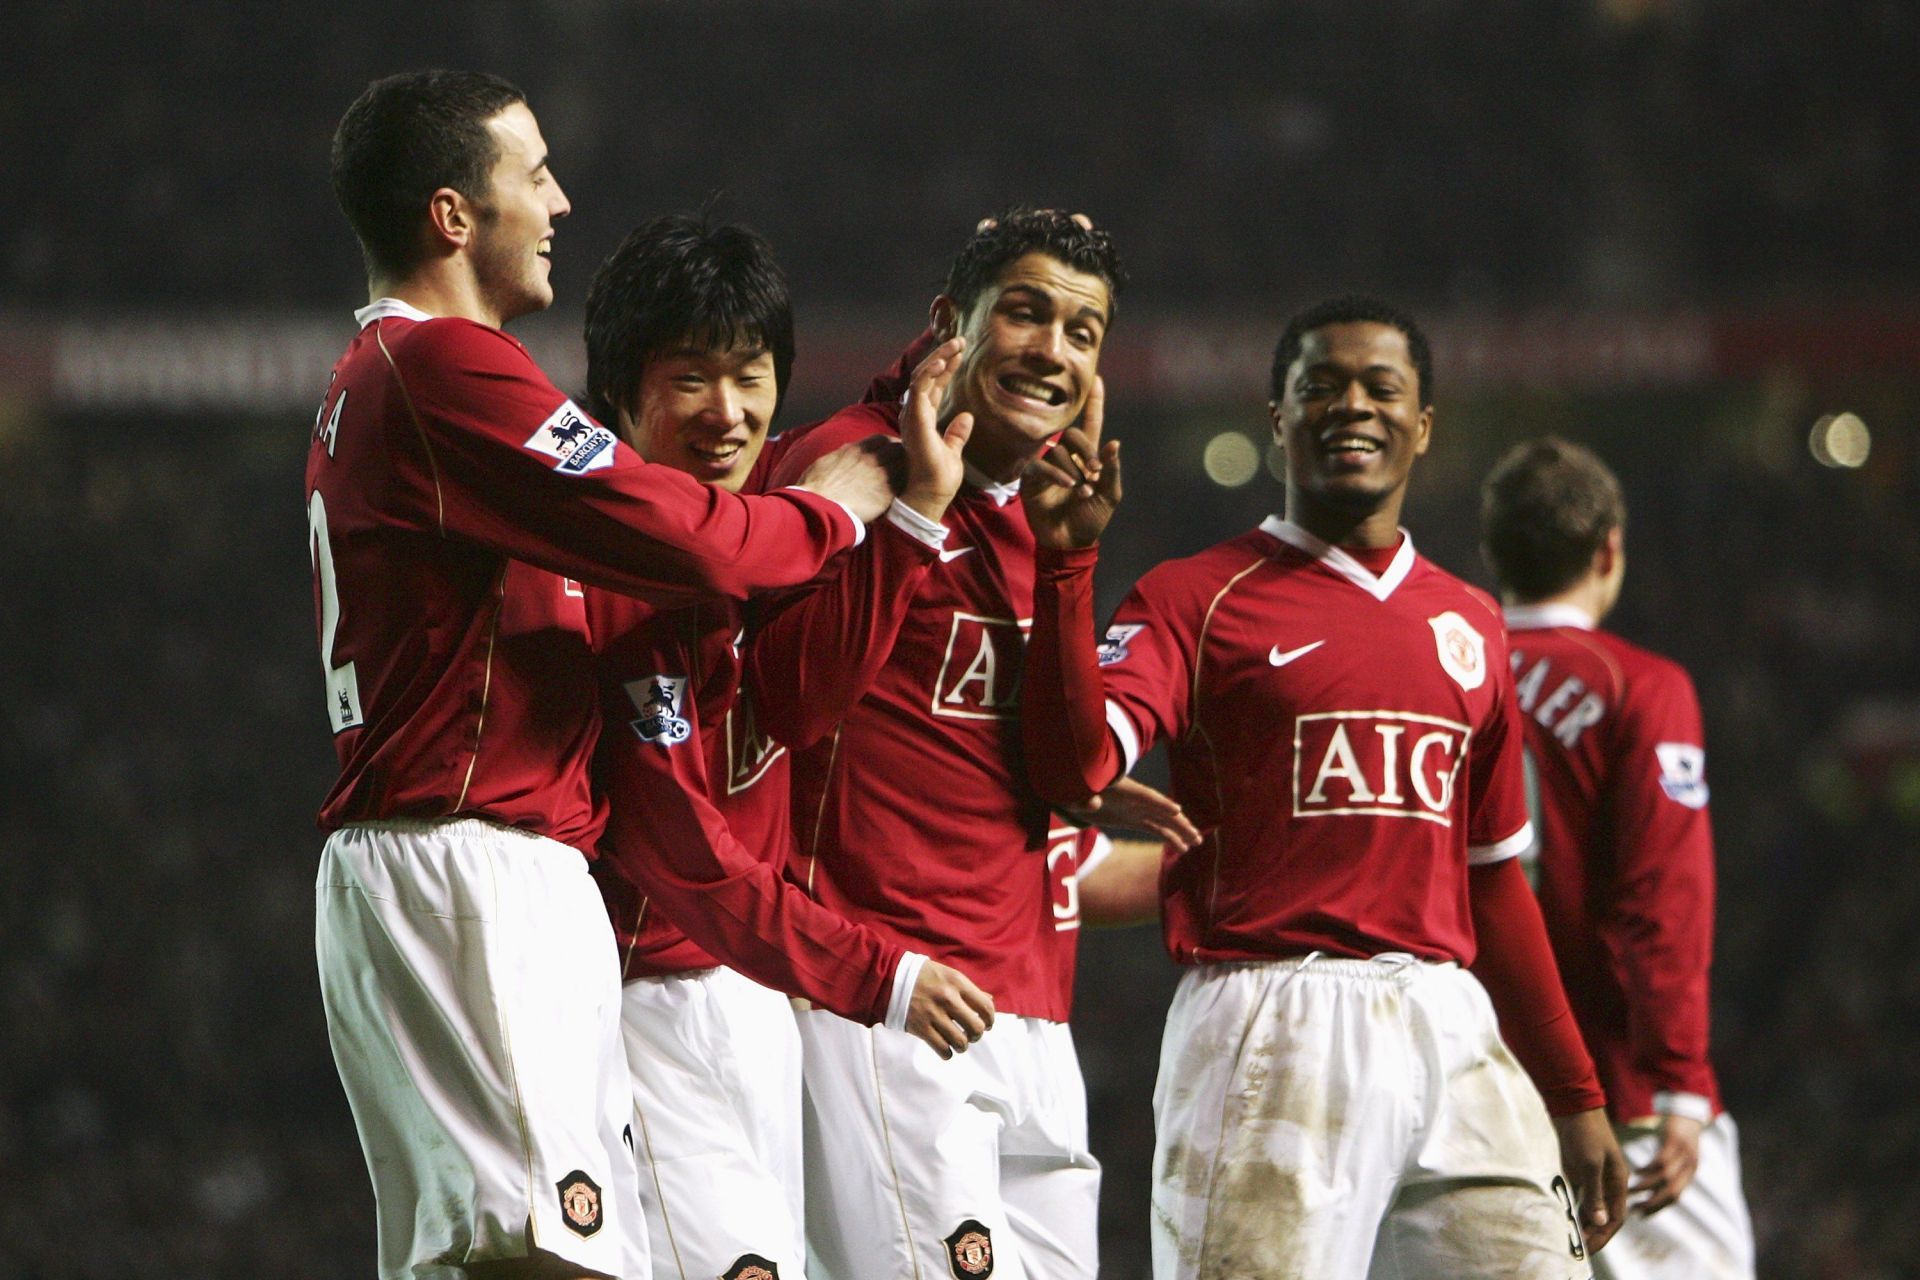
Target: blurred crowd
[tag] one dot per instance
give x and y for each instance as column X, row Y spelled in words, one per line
column 1475, row 154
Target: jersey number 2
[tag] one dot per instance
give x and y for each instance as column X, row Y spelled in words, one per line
column 343, row 684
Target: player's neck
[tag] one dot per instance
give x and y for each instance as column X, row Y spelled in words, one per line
column 1372, row 530
column 1590, row 596
column 440, row 289
column 1000, row 460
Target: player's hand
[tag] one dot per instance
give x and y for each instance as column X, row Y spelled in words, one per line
column 935, row 468
column 1590, row 1157
column 863, row 476
column 947, row 1010
column 1072, row 490
column 1138, row 807
column 1663, row 1178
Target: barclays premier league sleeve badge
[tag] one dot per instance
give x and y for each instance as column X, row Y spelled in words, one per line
column 1113, row 647
column 575, row 442
column 1463, row 652
column 659, row 699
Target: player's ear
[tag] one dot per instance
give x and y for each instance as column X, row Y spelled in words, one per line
column 1273, row 416
column 451, row 218
column 1423, row 430
column 944, row 318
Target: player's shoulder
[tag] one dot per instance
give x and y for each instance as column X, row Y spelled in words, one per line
column 798, row 448
column 447, row 338
column 1198, row 578
column 1647, row 673
column 1439, row 587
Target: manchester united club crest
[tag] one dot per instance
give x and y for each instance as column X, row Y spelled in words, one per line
column 1463, row 653
column 751, row 1266
column 970, row 1251
column 580, row 1203
column 657, row 699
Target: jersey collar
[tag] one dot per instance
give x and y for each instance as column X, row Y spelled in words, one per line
column 1532, row 617
column 388, row 309
column 1343, row 564
column 1001, row 494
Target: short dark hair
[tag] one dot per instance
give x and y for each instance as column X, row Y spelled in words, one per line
column 1352, row 309
column 683, row 278
column 402, row 140
column 1016, row 232
column 1546, row 507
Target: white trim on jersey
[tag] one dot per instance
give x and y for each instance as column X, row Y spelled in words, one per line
column 1343, row 563
column 1001, row 494
column 1124, row 734
column 1532, row 617
column 911, row 522
column 1102, row 849
column 388, row 309
column 1480, row 855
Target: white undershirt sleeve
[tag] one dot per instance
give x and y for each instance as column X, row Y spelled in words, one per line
column 905, row 976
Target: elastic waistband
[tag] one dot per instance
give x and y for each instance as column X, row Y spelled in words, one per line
column 1388, row 966
column 461, row 829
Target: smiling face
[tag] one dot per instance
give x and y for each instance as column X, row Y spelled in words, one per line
column 1351, row 422
column 704, row 412
column 1033, row 349
column 515, row 229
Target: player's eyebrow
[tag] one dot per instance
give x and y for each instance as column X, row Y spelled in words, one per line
column 541, row 163
column 1036, row 292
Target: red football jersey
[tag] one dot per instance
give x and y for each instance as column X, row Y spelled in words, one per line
column 1071, row 853
column 696, row 836
column 1347, row 742
column 1625, row 852
column 911, row 811
column 452, row 492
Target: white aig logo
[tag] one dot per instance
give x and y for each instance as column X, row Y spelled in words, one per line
column 749, row 752
column 980, row 672
column 658, row 699
column 1392, row 764
column 1463, row 654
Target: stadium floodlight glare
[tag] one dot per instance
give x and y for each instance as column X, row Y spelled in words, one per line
column 1231, row 460
column 1840, row 440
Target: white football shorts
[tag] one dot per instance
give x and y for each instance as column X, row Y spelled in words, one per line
column 1322, row 1117
column 969, row 1167
column 472, row 992
column 1704, row 1235
column 715, row 1059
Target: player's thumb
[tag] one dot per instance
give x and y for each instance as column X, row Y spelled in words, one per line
column 959, row 431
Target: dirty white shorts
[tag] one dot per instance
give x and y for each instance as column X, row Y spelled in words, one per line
column 1332, row 1119
column 472, row 991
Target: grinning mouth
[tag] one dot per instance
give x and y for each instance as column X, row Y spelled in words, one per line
column 721, row 452
column 1349, row 442
column 1033, row 389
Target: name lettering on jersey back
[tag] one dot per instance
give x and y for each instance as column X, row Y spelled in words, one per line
column 1566, row 712
column 980, row 672
column 1393, row 764
column 750, row 753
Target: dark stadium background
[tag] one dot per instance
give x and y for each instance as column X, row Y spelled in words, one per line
column 1681, row 230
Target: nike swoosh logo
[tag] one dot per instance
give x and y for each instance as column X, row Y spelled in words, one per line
column 1280, row 659
column 947, row 557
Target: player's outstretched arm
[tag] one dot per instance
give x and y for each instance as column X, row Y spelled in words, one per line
column 947, row 1010
column 1123, row 888
column 1590, row 1156
column 863, row 477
